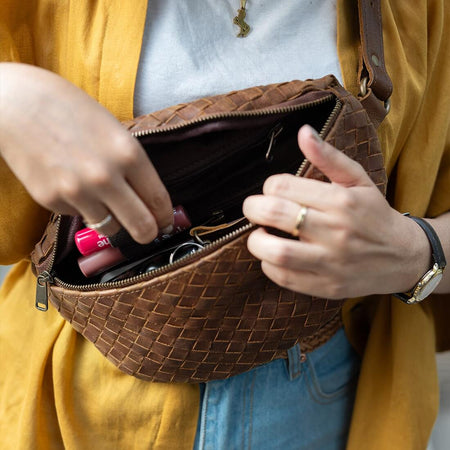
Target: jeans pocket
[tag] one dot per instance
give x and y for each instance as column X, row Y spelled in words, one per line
column 333, row 369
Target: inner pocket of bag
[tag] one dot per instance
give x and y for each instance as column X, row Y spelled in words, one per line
column 214, row 166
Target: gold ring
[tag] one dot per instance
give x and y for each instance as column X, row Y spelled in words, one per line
column 300, row 220
column 101, row 224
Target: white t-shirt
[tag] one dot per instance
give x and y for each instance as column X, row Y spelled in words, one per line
column 190, row 48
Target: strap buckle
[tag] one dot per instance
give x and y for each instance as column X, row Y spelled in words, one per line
column 363, row 92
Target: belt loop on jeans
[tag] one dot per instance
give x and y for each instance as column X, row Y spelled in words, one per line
column 295, row 358
column 296, row 355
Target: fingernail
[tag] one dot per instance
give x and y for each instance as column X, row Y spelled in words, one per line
column 315, row 135
column 167, row 230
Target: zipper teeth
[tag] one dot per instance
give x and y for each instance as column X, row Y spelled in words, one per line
column 55, row 248
column 322, row 134
column 257, row 113
column 330, row 119
column 217, row 243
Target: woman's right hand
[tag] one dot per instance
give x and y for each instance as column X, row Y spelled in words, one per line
column 74, row 157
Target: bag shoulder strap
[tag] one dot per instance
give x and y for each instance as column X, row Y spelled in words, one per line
column 375, row 83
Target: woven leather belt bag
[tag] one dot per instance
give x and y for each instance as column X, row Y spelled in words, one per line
column 213, row 313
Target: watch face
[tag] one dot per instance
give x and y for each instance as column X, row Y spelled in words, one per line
column 428, row 285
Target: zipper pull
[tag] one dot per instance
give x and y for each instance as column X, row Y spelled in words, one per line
column 273, row 136
column 42, row 290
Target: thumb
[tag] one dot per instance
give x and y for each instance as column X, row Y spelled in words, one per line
column 338, row 167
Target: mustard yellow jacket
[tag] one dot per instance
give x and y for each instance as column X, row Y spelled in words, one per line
column 57, row 391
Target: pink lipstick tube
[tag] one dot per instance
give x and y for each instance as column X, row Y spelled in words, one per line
column 89, row 241
column 100, row 261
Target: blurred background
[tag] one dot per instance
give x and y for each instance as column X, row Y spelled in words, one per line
column 3, row 272
column 440, row 439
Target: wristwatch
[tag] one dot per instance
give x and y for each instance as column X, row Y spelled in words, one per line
column 427, row 284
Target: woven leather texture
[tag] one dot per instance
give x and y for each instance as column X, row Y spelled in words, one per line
column 243, row 100
column 199, row 323
column 218, row 316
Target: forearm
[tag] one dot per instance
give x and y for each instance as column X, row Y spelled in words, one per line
column 74, row 157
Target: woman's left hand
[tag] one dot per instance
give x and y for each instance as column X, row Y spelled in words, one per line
column 351, row 242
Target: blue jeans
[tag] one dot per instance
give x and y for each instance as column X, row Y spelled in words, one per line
column 298, row 403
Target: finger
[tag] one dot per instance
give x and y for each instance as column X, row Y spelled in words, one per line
column 147, row 184
column 338, row 167
column 74, row 199
column 131, row 212
column 60, row 207
column 283, row 214
column 311, row 193
column 286, row 253
column 93, row 215
column 304, row 282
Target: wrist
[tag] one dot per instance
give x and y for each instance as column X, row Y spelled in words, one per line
column 418, row 255
column 431, row 278
column 441, row 225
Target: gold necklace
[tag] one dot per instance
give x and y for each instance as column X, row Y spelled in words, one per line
column 239, row 20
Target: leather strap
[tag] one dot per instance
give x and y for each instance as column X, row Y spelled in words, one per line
column 372, row 74
column 438, row 259
column 436, row 247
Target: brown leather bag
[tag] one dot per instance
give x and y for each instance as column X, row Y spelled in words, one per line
column 213, row 313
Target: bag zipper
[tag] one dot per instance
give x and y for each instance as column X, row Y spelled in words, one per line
column 48, row 276
column 45, row 278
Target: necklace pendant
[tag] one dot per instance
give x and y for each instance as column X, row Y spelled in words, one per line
column 240, row 22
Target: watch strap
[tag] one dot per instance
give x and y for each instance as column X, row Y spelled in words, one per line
column 436, row 247
column 437, row 255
